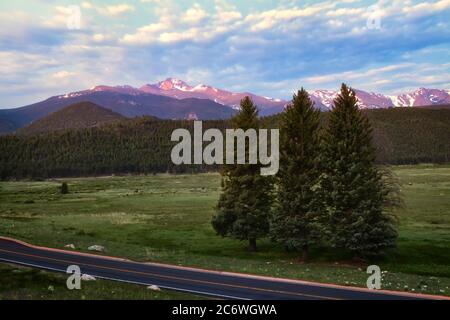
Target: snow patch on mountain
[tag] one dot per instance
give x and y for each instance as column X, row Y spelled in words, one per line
column 372, row 100
column 323, row 99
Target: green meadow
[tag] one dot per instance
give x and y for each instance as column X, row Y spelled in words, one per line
column 166, row 218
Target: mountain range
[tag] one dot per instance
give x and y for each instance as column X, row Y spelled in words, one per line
column 323, row 99
column 371, row 100
column 175, row 99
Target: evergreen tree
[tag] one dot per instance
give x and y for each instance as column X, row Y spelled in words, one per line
column 297, row 222
column 353, row 186
column 244, row 206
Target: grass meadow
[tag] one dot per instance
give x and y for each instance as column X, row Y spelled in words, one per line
column 166, row 218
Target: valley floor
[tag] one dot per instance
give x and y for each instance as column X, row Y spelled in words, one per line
column 166, row 218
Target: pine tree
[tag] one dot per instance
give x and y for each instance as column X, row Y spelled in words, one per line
column 244, row 206
column 297, row 220
column 354, row 188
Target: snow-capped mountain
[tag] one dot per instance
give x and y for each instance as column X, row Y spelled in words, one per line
column 179, row 89
column 323, row 99
column 422, row 97
column 370, row 100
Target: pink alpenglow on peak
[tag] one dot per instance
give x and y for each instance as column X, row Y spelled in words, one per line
column 179, row 89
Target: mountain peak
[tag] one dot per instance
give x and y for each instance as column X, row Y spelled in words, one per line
column 173, row 83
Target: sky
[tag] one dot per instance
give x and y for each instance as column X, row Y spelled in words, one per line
column 271, row 48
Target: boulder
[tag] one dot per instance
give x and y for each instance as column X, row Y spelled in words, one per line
column 154, row 288
column 86, row 277
column 70, row 246
column 97, row 247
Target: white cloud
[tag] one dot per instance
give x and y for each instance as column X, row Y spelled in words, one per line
column 195, row 25
column 109, row 10
column 424, row 8
column 346, row 12
column 116, row 9
column 271, row 18
column 145, row 34
column 202, row 26
column 194, row 15
column 64, row 74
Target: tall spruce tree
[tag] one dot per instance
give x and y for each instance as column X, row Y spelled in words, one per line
column 354, row 188
column 244, row 206
column 297, row 218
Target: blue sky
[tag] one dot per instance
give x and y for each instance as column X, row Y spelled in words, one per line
column 266, row 47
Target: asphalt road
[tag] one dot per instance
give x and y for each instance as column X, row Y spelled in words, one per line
column 196, row 281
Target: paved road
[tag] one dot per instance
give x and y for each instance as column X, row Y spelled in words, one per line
column 202, row 282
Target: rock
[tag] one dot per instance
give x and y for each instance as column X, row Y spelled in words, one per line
column 96, row 247
column 86, row 277
column 51, row 288
column 154, row 288
column 70, row 246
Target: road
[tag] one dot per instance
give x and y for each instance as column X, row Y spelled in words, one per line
column 197, row 281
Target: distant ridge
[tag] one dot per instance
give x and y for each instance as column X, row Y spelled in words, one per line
column 121, row 101
column 78, row 115
column 176, row 99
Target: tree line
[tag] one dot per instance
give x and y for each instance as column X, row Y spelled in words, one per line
column 142, row 145
column 328, row 189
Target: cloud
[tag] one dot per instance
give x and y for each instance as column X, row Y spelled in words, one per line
column 270, row 48
column 424, row 8
column 116, row 10
column 194, row 15
column 145, row 34
column 64, row 74
column 108, row 10
column 15, row 63
column 271, row 18
column 194, row 25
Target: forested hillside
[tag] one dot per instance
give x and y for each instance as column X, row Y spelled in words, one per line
column 142, row 145
column 79, row 115
column 411, row 135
